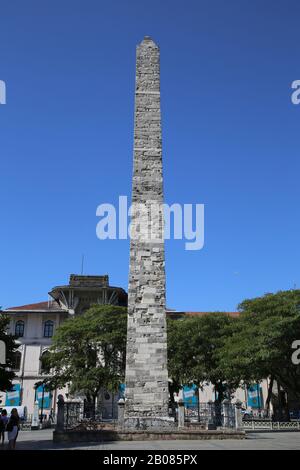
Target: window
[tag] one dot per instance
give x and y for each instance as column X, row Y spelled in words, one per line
column 16, row 361
column 19, row 329
column 45, row 369
column 48, row 329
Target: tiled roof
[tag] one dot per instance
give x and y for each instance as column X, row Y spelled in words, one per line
column 54, row 306
column 201, row 314
column 51, row 305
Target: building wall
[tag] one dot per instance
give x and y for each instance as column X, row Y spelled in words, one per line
column 32, row 345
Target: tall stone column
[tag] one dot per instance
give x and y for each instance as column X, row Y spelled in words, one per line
column 146, row 366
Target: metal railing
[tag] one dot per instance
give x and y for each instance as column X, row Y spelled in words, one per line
column 80, row 415
column 215, row 414
column 255, row 425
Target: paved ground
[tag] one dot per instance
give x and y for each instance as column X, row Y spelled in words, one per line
column 34, row 440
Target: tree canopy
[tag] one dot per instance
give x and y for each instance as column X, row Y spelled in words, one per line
column 6, row 372
column 231, row 351
column 88, row 352
column 193, row 351
column 261, row 342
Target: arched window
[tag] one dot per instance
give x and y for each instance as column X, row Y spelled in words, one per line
column 48, row 329
column 19, row 328
column 16, row 361
column 45, row 369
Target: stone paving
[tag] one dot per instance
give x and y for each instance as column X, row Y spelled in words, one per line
column 34, row 440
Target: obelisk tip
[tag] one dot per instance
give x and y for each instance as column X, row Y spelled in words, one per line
column 148, row 41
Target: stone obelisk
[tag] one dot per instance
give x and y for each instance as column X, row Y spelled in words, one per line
column 146, row 395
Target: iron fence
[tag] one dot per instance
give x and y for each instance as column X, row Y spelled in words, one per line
column 215, row 414
column 82, row 416
column 86, row 416
column 256, row 425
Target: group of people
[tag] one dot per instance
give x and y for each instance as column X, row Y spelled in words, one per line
column 11, row 425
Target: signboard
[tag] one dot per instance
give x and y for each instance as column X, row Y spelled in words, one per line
column 190, row 397
column 122, row 391
column 44, row 397
column 13, row 398
column 254, row 394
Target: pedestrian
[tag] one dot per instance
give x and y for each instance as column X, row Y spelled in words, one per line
column 12, row 428
column 51, row 418
column 3, row 423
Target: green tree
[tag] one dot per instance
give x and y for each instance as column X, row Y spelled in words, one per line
column 88, row 352
column 193, row 345
column 261, row 341
column 6, row 372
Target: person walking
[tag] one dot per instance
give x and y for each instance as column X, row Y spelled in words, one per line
column 3, row 423
column 12, row 428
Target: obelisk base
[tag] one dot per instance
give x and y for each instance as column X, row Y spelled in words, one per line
column 149, row 423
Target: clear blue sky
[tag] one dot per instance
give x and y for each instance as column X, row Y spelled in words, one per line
column 230, row 138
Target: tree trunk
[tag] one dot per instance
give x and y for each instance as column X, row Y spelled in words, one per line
column 90, row 406
column 269, row 397
column 93, row 406
column 218, row 403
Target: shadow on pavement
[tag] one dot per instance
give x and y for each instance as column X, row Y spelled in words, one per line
column 50, row 445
